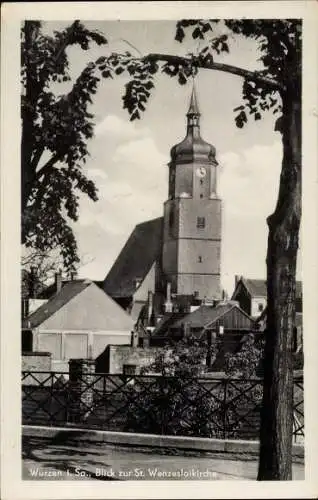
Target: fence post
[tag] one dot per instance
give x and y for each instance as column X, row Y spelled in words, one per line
column 224, row 411
column 82, row 396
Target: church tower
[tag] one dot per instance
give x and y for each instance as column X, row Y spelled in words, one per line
column 192, row 215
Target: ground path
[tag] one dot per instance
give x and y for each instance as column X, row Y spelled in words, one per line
column 48, row 459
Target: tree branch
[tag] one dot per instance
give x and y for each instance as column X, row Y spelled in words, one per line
column 48, row 165
column 36, row 157
column 234, row 70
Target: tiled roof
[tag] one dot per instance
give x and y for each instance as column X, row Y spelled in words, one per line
column 204, row 315
column 142, row 249
column 68, row 291
column 257, row 288
column 169, row 319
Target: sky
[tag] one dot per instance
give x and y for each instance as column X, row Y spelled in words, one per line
column 128, row 160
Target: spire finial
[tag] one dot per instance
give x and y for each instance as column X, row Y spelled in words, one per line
column 193, row 108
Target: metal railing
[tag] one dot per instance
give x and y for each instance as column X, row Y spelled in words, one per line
column 207, row 407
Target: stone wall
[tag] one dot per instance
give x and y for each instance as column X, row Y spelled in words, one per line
column 36, row 361
column 117, row 356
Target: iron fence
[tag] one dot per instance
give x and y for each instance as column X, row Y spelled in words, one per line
column 206, row 407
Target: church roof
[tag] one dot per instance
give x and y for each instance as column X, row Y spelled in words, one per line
column 141, row 250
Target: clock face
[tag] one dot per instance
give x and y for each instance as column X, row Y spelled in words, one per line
column 201, row 172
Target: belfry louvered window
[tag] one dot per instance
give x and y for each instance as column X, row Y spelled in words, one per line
column 201, row 222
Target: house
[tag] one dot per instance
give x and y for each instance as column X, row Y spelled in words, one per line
column 78, row 321
column 224, row 323
column 251, row 294
column 220, row 318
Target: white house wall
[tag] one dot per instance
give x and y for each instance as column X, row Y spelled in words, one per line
column 67, row 345
column 255, row 303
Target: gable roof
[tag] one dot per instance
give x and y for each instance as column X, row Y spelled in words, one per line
column 258, row 288
column 204, row 315
column 68, row 291
column 141, row 250
column 80, row 305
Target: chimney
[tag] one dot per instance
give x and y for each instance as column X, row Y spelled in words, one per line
column 73, row 275
column 134, row 338
column 58, row 281
column 150, row 305
column 168, row 303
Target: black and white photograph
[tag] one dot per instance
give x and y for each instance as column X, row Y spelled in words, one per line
column 161, row 268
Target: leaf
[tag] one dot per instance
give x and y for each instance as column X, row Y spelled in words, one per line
column 179, row 34
column 197, row 33
column 242, row 117
column 182, row 79
column 239, row 123
column 119, row 70
column 239, row 108
column 135, row 115
column 106, row 74
column 257, row 116
column 101, row 60
column 225, row 47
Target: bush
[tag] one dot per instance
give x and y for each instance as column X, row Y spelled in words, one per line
column 179, row 403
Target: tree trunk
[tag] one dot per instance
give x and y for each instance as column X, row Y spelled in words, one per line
column 277, row 412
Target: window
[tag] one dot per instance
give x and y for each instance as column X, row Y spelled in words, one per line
column 129, row 370
column 260, row 307
column 201, row 222
column 201, row 195
column 200, row 259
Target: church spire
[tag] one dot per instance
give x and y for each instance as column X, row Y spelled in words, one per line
column 193, row 147
column 193, row 113
column 193, row 108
